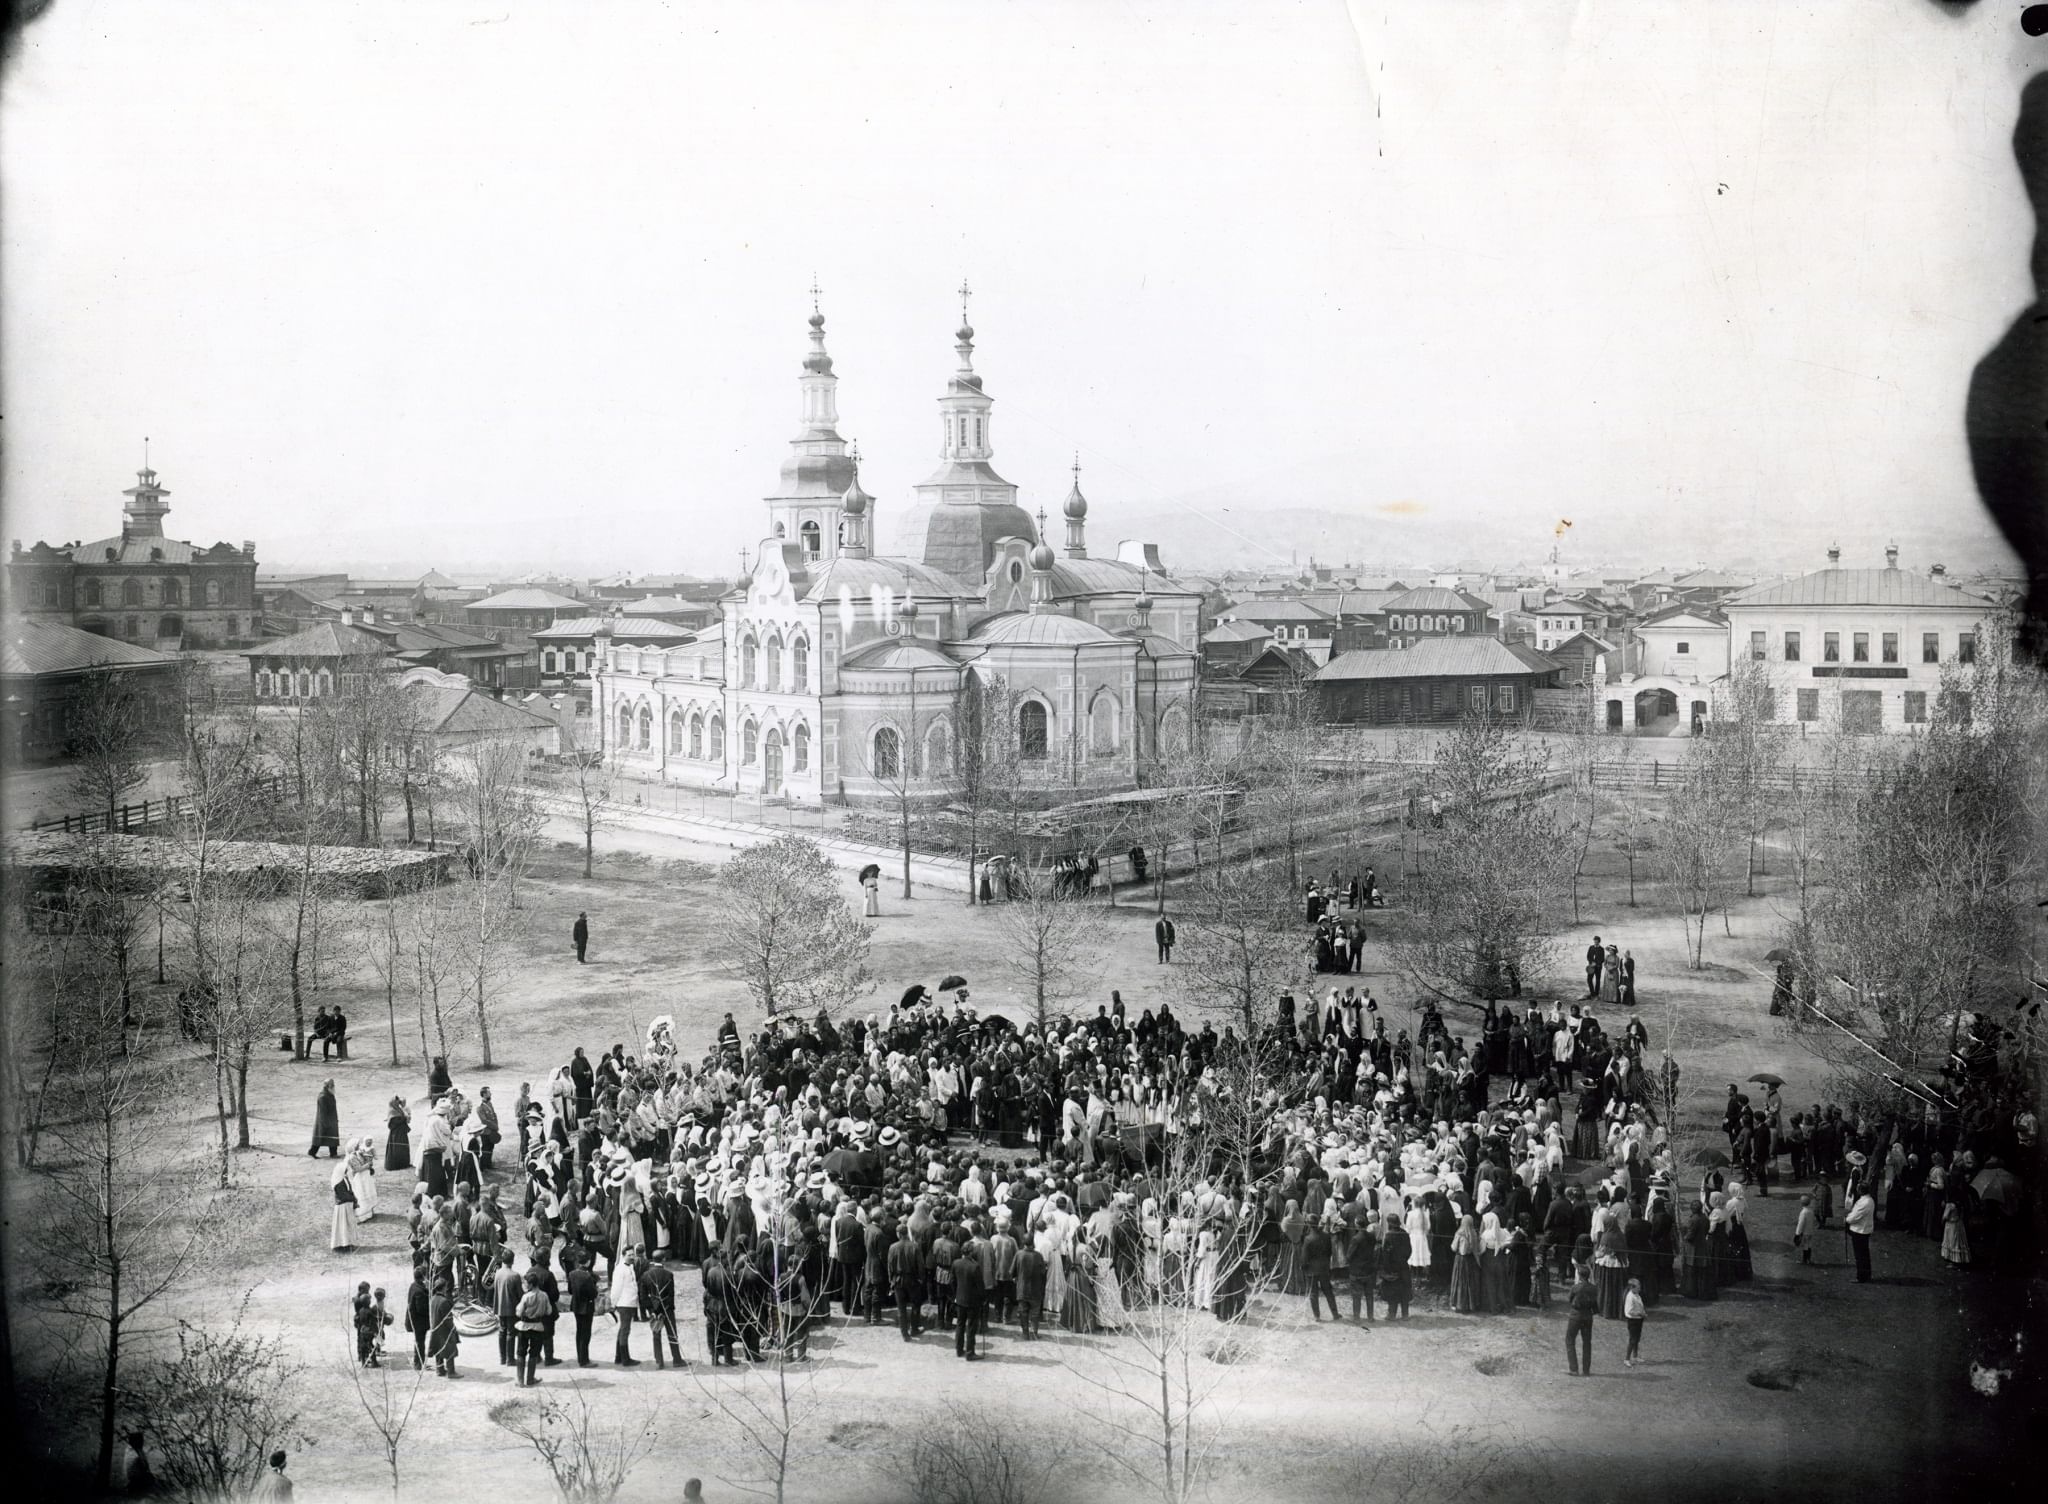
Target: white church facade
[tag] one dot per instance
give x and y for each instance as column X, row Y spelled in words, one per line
column 839, row 674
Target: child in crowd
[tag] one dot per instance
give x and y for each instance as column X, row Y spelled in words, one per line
column 1804, row 1229
column 1633, row 1311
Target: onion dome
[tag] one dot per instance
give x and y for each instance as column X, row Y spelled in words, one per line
column 1042, row 559
column 1142, row 603
column 856, row 501
column 908, row 610
column 1077, row 504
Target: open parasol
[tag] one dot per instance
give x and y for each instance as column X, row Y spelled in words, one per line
column 1780, row 954
column 953, row 982
column 1765, row 1078
column 912, row 995
column 872, row 869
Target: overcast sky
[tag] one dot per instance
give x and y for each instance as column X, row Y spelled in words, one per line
column 476, row 285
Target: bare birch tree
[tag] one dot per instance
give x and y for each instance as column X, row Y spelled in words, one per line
column 1051, row 939
column 386, row 1398
column 114, row 723
column 1240, row 944
column 787, row 932
column 124, row 1195
column 588, row 1458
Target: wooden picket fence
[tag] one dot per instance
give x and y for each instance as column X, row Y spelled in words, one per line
column 147, row 815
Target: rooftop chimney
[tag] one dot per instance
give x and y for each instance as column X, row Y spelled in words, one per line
column 249, row 547
column 1891, row 556
column 1834, row 555
column 1937, row 570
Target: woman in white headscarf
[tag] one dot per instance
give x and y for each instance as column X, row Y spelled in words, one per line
column 362, row 1178
column 342, row 1230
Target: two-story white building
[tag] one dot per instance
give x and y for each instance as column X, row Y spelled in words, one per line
column 1859, row 648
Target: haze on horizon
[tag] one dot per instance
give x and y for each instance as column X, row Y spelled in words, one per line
column 523, row 285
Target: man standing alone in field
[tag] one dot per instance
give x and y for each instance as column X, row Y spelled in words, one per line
column 581, row 935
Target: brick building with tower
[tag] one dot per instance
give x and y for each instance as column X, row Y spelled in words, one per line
column 140, row 586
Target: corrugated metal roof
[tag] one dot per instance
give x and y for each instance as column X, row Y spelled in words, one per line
column 53, row 647
column 1434, row 598
column 1236, row 631
column 465, row 711
column 900, row 576
column 894, row 653
column 326, row 639
column 1438, row 657
column 1284, row 610
column 1859, row 587
column 532, row 599
column 1046, row 628
column 626, row 628
column 1708, row 614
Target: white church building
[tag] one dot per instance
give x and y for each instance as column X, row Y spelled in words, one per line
column 841, row 674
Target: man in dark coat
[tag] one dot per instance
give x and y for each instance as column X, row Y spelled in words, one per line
column 326, row 1124
column 582, row 1306
column 849, row 1254
column 1030, row 1287
column 1596, row 958
column 580, row 934
column 970, row 1301
column 906, row 1282
column 582, row 1077
column 417, row 1319
column 1162, row 932
column 658, row 1308
column 506, row 1288
column 874, row 1274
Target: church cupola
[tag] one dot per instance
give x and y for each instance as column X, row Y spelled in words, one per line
column 142, row 515
column 1077, row 517
column 805, row 508
column 964, row 409
column 854, row 507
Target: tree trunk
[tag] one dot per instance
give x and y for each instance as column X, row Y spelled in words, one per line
column 110, row 1384
column 242, row 1098
column 220, row 1108
column 589, row 839
column 906, row 848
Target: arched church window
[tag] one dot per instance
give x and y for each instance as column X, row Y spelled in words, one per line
column 675, row 731
column 800, row 665
column 646, row 728
column 625, row 726
column 771, row 762
column 92, row 592
column 888, row 759
column 1102, row 724
column 750, row 742
column 173, row 596
column 1032, row 737
column 811, row 538
column 800, row 745
column 748, row 654
column 938, row 751
column 131, row 592
column 697, row 736
column 773, row 679
column 715, row 738
column 778, row 530
column 213, row 592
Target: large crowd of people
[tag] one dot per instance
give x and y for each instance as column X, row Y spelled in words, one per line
column 931, row 1165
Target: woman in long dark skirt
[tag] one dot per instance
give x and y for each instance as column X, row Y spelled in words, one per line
column 1443, row 1228
column 1610, row 1263
column 1233, row 1279
column 1586, row 1130
column 398, row 1146
column 1739, row 1266
column 1717, row 1239
column 1696, row 1258
column 1522, row 1256
column 1663, row 1248
column 1642, row 1256
column 1465, row 1267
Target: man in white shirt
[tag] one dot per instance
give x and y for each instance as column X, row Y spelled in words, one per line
column 1861, row 1222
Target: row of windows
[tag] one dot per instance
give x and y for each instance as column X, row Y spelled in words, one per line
column 565, row 661
column 1863, row 709
column 1425, row 623
column 283, row 684
column 768, row 663
column 93, row 592
column 1859, row 647
column 704, row 738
